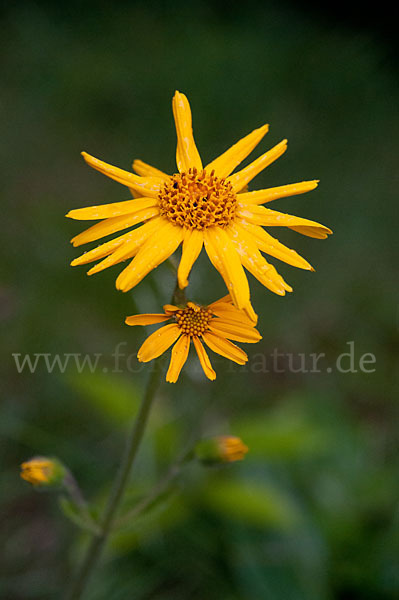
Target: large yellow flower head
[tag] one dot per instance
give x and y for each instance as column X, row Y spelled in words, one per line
column 198, row 206
column 215, row 325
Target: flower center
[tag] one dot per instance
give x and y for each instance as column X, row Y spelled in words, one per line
column 193, row 320
column 197, row 200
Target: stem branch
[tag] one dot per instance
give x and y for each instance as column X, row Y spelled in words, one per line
column 157, row 490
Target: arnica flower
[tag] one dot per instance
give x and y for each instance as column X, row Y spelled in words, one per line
column 43, row 472
column 220, row 449
column 198, row 206
column 215, row 325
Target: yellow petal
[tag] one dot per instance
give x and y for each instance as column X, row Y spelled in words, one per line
column 231, row 313
column 239, row 180
column 148, row 186
column 235, row 331
column 135, row 193
column 317, row 231
column 100, row 251
column 230, row 260
column 146, row 170
column 252, row 260
column 115, row 209
column 113, row 225
column 259, row 215
column 131, row 244
column 146, row 319
column 178, row 358
column 170, row 309
column 217, row 263
column 229, row 160
column 225, row 348
column 225, row 300
column 251, row 314
column 282, row 191
column 192, row 246
column 270, row 245
column 158, row 342
column 187, row 155
column 204, row 359
column 156, row 249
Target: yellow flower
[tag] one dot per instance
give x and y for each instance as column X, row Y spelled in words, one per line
column 42, row 471
column 198, row 206
column 231, row 448
column 220, row 449
column 215, row 325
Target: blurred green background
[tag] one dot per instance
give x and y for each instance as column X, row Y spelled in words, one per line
column 312, row 512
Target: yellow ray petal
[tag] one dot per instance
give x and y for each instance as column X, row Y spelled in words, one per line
column 146, row 319
column 251, row 314
column 100, row 251
column 158, row 342
column 178, row 358
column 156, row 249
column 187, row 155
column 234, row 331
column 170, row 309
column 225, row 300
column 231, row 313
column 225, row 348
column 106, row 211
column 259, row 215
column 130, row 246
column 254, row 262
column 148, row 186
column 146, row 170
column 113, row 225
column 217, row 263
column 270, row 245
column 192, row 246
column 239, row 180
column 246, row 313
column 282, row 191
column 238, row 283
column 204, row 359
column 317, row 231
column 135, row 193
column 229, row 160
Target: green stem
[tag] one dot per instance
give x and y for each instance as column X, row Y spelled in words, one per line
column 179, row 296
column 97, row 543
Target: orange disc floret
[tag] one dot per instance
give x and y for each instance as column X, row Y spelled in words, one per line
column 193, row 320
column 198, row 200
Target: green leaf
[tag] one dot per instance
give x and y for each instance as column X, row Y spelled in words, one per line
column 286, row 434
column 112, row 396
column 252, row 503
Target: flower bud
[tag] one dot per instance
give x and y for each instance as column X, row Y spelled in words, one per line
column 220, row 449
column 42, row 471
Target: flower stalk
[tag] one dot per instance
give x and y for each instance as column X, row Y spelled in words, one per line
column 106, row 524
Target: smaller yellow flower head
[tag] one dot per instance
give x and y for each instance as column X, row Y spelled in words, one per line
column 42, row 471
column 231, row 448
column 215, row 325
column 220, row 449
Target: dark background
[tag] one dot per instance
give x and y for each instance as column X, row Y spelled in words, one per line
column 311, row 514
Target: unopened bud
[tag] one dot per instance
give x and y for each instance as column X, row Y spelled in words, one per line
column 42, row 471
column 220, row 449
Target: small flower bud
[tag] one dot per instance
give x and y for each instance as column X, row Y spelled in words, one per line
column 42, row 471
column 220, row 449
